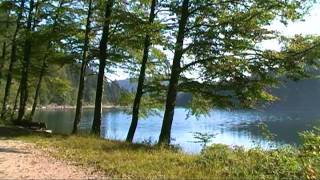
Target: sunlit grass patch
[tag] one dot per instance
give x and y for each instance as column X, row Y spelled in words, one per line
column 123, row 160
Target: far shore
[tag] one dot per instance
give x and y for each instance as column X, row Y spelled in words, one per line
column 68, row 107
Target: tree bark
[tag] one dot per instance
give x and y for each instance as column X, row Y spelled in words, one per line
column 3, row 58
column 15, row 104
column 13, row 59
column 83, row 71
column 36, row 96
column 165, row 135
column 3, row 55
column 4, row 48
column 139, row 93
column 26, row 64
column 102, row 60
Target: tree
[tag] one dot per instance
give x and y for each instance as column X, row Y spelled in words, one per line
column 50, row 46
column 102, row 65
column 46, row 55
column 139, row 93
column 83, row 70
column 217, row 42
column 175, row 72
column 13, row 57
column 26, row 63
column 4, row 10
column 15, row 105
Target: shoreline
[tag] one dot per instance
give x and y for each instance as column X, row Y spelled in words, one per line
column 68, row 107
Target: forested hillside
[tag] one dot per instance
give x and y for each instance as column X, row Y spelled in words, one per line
column 62, row 89
column 291, row 95
column 297, row 95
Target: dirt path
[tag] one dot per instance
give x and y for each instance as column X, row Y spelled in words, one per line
column 20, row 160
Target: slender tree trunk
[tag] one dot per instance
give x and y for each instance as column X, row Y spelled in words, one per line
column 82, row 71
column 44, row 63
column 102, row 59
column 15, row 106
column 36, row 95
column 4, row 49
column 26, row 64
column 3, row 58
column 165, row 135
column 139, row 93
column 13, row 59
column 9, row 80
column 3, row 55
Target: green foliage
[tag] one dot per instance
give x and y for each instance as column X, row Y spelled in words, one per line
column 311, row 142
column 6, row 120
column 222, row 63
column 300, row 57
column 282, row 163
column 203, row 138
column 265, row 132
column 227, row 66
column 61, row 91
column 310, row 152
column 148, row 106
column 126, row 98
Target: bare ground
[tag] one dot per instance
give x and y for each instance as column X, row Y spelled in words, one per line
column 20, row 160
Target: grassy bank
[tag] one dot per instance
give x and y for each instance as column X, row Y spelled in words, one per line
column 122, row 160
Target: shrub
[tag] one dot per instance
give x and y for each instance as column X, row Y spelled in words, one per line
column 310, row 153
column 254, row 163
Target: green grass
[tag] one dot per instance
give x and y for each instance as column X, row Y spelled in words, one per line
column 123, row 160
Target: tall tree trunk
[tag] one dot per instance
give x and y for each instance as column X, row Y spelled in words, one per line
column 26, row 64
column 102, row 60
column 139, row 93
column 44, row 63
column 165, row 135
column 13, row 59
column 9, row 79
column 3, row 55
column 36, row 95
column 4, row 48
column 3, row 58
column 82, row 71
column 15, row 103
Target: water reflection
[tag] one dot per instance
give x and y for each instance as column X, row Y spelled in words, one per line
column 235, row 128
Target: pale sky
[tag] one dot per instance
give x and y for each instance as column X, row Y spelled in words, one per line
column 310, row 26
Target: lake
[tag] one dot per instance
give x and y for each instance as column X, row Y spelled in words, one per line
column 230, row 127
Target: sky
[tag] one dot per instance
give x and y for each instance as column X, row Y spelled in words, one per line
column 309, row 26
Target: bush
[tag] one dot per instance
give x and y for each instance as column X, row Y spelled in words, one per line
column 254, row 163
column 282, row 163
column 310, row 153
column 6, row 120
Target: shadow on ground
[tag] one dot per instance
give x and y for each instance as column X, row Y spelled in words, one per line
column 13, row 132
column 11, row 150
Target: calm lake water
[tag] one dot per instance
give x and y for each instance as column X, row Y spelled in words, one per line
column 230, row 127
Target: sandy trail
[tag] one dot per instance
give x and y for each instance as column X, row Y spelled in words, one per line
column 20, row 160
